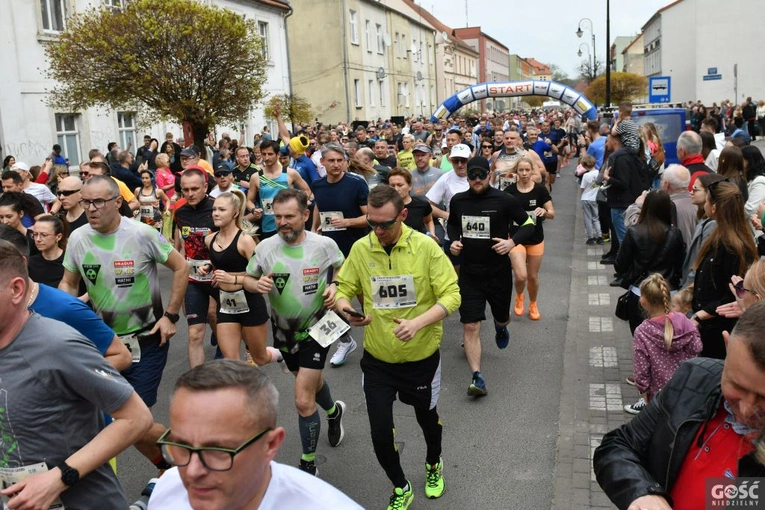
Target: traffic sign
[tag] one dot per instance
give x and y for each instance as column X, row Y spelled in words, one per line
column 659, row 89
column 710, row 77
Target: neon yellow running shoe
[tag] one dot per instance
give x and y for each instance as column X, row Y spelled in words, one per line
column 401, row 499
column 434, row 480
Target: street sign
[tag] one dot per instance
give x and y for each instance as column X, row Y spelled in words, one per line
column 659, row 89
column 711, row 70
column 710, row 77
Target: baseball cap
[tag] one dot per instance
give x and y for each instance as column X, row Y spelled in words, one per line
column 190, row 152
column 477, row 163
column 421, row 147
column 222, row 169
column 460, row 151
column 20, row 165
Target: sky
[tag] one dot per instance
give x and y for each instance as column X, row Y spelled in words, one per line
column 546, row 30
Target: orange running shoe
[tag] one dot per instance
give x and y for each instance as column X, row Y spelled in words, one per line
column 534, row 311
column 518, row 309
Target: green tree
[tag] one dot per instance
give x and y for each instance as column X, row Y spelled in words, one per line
column 174, row 60
column 293, row 107
column 624, row 87
column 534, row 101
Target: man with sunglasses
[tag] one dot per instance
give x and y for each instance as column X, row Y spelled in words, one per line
column 224, row 176
column 479, row 228
column 408, row 288
column 223, row 439
column 117, row 258
column 69, row 194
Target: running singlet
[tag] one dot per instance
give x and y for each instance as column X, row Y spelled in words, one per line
column 506, row 162
column 300, row 278
column 196, row 223
column 537, row 197
column 269, row 188
column 120, row 273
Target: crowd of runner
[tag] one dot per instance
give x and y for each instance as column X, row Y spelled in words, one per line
column 376, row 225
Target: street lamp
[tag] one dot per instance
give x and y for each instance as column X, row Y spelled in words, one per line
column 579, row 34
column 586, row 46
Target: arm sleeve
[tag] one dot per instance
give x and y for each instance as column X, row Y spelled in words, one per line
column 48, row 195
column 756, row 196
column 71, row 254
column 523, row 220
column 624, row 257
column 88, row 324
column 349, row 276
column 255, row 264
column 436, row 193
column 728, row 265
column 159, row 248
column 78, row 371
column 641, row 362
column 362, row 193
column 443, row 280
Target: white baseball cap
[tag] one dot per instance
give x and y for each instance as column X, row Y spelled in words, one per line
column 460, row 151
column 20, row 165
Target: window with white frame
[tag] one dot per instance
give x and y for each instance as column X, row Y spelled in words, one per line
column 398, row 45
column 68, row 136
column 354, row 27
column 368, row 35
column 404, row 48
column 357, row 93
column 381, row 83
column 380, row 42
column 115, row 5
column 414, row 45
column 263, row 32
column 371, row 92
column 126, row 129
column 53, row 15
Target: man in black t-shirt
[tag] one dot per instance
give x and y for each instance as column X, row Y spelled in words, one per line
column 69, row 193
column 479, row 227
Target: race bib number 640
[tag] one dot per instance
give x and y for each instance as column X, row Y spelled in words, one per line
column 476, row 227
column 393, row 291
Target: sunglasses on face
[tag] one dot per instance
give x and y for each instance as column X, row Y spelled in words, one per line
column 741, row 290
column 487, row 146
column 67, row 193
column 222, row 174
column 385, row 225
column 480, row 175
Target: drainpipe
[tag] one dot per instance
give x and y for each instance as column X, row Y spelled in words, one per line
column 345, row 65
column 289, row 66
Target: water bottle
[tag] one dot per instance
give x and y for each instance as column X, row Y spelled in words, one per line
column 143, row 501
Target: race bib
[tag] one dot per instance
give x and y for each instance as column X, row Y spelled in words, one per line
column 326, row 220
column 268, row 206
column 328, row 329
column 147, row 212
column 194, row 274
column 476, row 227
column 533, row 216
column 132, row 344
column 393, row 291
column 233, row 302
column 10, row 476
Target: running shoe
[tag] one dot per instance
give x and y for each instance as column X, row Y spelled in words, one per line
column 534, row 311
column 599, row 241
column 336, row 432
column 502, row 336
column 477, row 387
column 342, row 352
column 309, row 466
column 606, row 238
column 518, row 308
column 590, row 241
column 434, row 480
column 401, row 499
column 636, row 407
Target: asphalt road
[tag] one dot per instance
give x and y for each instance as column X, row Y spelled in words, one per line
column 499, row 451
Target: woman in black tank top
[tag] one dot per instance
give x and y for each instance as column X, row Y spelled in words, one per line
column 242, row 314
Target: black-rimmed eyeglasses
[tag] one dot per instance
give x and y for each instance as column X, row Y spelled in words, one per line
column 212, row 457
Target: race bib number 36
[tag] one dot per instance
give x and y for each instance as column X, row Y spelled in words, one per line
column 328, row 329
column 476, row 227
column 393, row 291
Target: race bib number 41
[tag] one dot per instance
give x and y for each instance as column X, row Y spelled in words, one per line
column 393, row 291
column 476, row 227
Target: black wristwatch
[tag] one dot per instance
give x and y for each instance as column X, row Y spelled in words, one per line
column 69, row 475
column 174, row 317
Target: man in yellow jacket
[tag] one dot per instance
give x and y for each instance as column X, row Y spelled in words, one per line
column 409, row 287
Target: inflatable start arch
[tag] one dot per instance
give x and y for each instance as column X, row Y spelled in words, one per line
column 552, row 89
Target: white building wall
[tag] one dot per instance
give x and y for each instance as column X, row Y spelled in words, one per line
column 678, row 40
column 28, row 125
column 372, row 60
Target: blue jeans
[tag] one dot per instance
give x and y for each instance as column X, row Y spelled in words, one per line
column 617, row 219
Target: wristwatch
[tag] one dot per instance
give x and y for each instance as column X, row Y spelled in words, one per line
column 69, row 475
column 174, row 317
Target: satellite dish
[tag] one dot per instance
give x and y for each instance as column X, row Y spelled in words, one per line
column 419, row 76
column 380, row 73
column 386, row 40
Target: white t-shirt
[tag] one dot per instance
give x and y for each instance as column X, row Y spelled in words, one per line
column 42, row 193
column 316, row 158
column 589, row 188
column 289, row 488
column 446, row 187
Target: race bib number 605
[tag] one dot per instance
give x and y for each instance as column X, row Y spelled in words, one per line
column 393, row 291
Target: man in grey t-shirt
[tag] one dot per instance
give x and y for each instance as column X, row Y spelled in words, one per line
column 54, row 390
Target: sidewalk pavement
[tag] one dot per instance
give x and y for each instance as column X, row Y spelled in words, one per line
column 596, row 360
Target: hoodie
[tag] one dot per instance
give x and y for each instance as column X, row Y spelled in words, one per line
column 654, row 364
